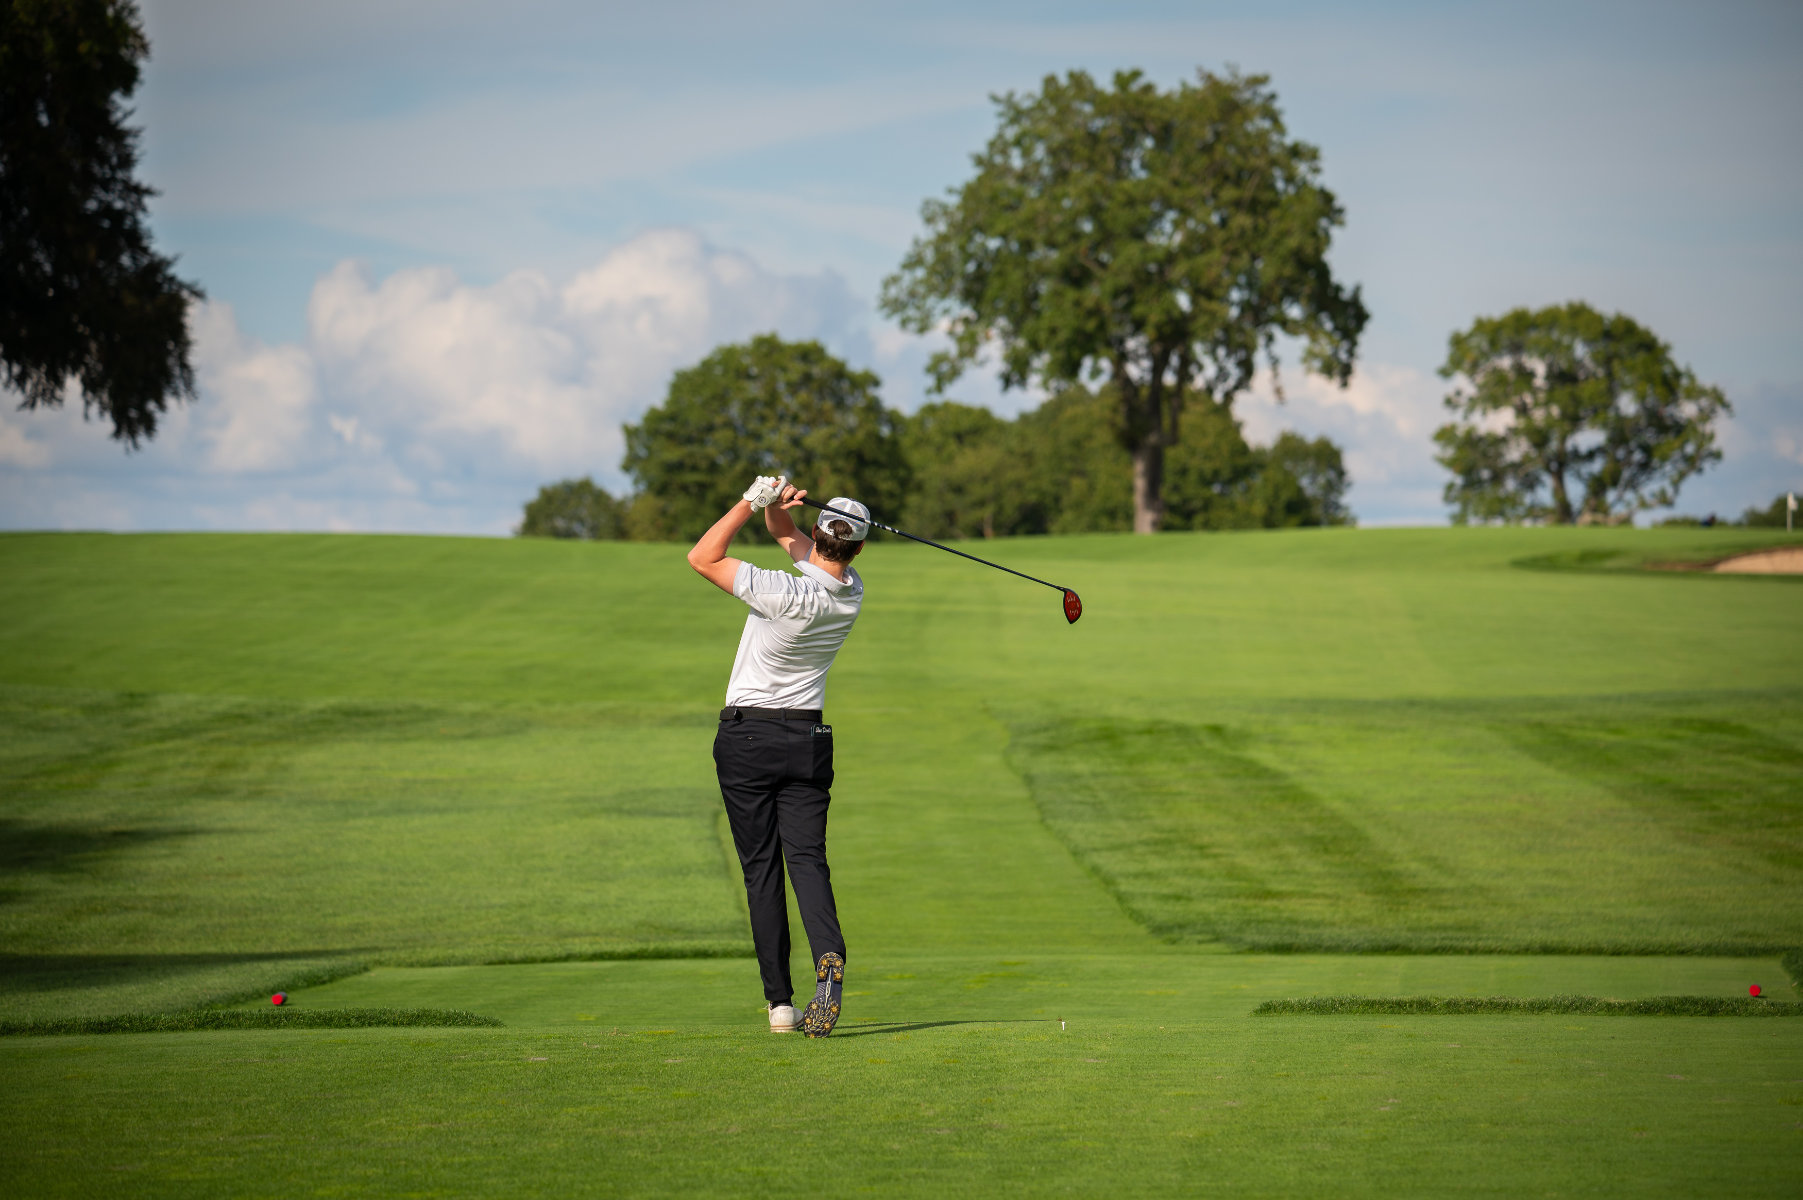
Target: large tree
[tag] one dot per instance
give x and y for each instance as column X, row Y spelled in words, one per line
column 765, row 407
column 82, row 295
column 1161, row 240
column 1566, row 414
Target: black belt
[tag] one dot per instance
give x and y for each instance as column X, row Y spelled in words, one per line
column 770, row 714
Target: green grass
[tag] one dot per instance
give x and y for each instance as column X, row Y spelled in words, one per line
column 1386, row 1107
column 155, row 823
column 1160, row 986
column 262, row 1018
column 1591, row 1006
column 954, row 1074
column 36, row 987
column 1679, row 553
column 1410, row 827
column 233, row 764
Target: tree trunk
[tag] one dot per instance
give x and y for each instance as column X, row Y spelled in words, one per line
column 1142, row 433
column 1148, row 482
column 1562, row 514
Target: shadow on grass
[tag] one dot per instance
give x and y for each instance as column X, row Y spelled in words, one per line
column 201, row 1019
column 1587, row 1006
column 875, row 1027
column 1697, row 563
column 55, row 972
column 25, row 847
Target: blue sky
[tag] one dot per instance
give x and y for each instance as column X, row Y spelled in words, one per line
column 449, row 247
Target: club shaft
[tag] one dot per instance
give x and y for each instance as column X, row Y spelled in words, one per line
column 935, row 545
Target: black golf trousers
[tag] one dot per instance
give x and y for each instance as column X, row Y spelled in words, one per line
column 776, row 778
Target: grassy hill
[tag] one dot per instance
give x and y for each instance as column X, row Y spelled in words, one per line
column 442, row 750
column 240, row 762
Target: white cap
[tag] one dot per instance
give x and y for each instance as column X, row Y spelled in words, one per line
column 860, row 528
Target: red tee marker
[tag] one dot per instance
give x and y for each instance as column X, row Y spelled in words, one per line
column 1754, row 990
column 281, row 998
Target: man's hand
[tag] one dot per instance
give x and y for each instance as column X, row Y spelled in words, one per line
column 782, row 526
column 764, row 491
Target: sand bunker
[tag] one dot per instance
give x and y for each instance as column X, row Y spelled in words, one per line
column 1788, row 561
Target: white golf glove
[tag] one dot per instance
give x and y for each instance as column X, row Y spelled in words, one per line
column 764, row 491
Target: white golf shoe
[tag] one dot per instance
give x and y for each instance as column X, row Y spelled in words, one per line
column 784, row 1018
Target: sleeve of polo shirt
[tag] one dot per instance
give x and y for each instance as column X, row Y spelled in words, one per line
column 769, row 593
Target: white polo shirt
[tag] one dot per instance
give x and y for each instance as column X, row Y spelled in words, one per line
column 796, row 626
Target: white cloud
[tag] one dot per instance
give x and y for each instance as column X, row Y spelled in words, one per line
column 1788, row 445
column 16, row 448
column 1762, row 454
column 420, row 401
column 446, row 365
column 1384, row 420
column 261, row 397
column 538, row 375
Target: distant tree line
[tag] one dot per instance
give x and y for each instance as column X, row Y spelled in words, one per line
column 1774, row 515
column 1134, row 252
column 950, row 470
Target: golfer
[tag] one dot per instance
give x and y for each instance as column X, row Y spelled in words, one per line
column 774, row 753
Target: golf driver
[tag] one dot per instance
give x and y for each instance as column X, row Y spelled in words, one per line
column 1073, row 604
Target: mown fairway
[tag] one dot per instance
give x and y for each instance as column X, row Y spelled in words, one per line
column 235, row 763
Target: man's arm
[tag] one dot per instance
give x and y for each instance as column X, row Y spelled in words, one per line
column 782, row 526
column 709, row 555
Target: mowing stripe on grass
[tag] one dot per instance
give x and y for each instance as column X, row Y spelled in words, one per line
column 648, row 950
column 1256, row 832
column 1655, row 1006
column 181, row 1022
column 1694, row 564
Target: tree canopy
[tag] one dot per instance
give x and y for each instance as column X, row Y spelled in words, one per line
column 964, row 470
column 1566, row 414
column 83, row 295
column 1059, row 468
column 1159, row 240
column 574, row 508
column 1777, row 514
column 949, row 470
column 765, row 407
column 1217, row 480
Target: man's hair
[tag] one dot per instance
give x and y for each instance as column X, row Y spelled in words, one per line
column 835, row 546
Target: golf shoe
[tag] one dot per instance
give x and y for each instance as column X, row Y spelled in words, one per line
column 823, row 1010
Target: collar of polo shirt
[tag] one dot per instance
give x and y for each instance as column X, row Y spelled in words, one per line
column 824, row 577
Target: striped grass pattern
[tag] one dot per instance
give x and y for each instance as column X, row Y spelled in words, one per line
column 272, row 1018
column 1654, row 1006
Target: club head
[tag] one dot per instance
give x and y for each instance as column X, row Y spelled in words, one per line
column 1073, row 606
